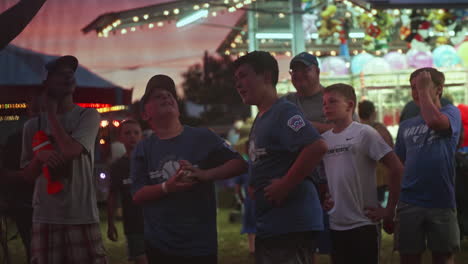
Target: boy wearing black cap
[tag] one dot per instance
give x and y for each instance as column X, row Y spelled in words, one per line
column 65, row 221
column 172, row 174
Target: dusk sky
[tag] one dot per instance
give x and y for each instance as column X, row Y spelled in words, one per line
column 127, row 60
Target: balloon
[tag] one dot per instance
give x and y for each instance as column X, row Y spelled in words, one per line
column 359, row 61
column 463, row 52
column 445, row 56
column 419, row 59
column 334, row 66
column 396, row 60
column 376, row 65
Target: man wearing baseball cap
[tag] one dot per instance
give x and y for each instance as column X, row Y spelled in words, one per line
column 173, row 173
column 65, row 223
column 305, row 72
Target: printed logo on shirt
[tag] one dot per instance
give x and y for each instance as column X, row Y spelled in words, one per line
column 227, row 145
column 338, row 149
column 415, row 134
column 296, row 122
column 166, row 171
column 127, row 181
column 255, row 153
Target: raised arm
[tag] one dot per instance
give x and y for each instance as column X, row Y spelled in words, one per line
column 16, row 18
column 430, row 108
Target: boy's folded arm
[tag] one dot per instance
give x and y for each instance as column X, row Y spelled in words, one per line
column 308, row 159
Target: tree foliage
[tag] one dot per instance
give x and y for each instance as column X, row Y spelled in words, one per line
column 211, row 84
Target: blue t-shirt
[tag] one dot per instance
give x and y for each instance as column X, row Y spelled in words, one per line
column 183, row 223
column 276, row 140
column 428, row 179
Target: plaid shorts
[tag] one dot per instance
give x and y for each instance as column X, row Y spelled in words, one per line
column 71, row 244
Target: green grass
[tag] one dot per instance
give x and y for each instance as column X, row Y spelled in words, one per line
column 233, row 248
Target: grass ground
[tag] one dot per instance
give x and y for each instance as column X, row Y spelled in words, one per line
column 232, row 246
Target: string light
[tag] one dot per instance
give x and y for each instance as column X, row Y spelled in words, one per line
column 102, row 141
column 196, row 7
column 288, row 53
column 151, row 25
column 166, row 12
column 145, row 16
column 318, row 53
column 232, row 9
column 135, row 19
column 160, row 24
column 104, row 123
column 176, row 11
column 227, row 52
column 333, row 53
column 133, row 29
column 206, row 5
column 123, row 31
column 214, row 14
column 281, row 15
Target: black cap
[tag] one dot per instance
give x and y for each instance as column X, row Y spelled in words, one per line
column 67, row 60
column 159, row 81
column 306, row 58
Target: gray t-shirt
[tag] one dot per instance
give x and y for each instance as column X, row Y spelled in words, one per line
column 76, row 203
column 311, row 106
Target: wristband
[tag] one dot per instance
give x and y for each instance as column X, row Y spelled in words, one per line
column 163, row 187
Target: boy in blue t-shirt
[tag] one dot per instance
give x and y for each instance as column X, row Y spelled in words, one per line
column 426, row 144
column 284, row 149
column 173, row 172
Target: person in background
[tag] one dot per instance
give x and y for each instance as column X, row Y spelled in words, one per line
column 248, row 206
column 120, row 183
column 426, row 144
column 368, row 115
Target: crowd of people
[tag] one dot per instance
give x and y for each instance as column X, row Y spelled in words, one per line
column 310, row 176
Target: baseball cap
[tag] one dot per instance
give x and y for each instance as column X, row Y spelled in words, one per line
column 305, row 58
column 66, row 60
column 159, row 81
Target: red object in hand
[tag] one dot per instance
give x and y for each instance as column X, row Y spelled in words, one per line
column 41, row 142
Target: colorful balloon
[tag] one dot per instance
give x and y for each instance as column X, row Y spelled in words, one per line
column 419, row 59
column 396, row 60
column 463, row 52
column 359, row 61
column 376, row 65
column 445, row 56
column 334, row 66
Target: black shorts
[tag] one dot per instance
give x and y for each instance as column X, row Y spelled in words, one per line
column 292, row 248
column 358, row 245
column 156, row 256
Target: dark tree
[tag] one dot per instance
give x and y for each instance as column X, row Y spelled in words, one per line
column 212, row 86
